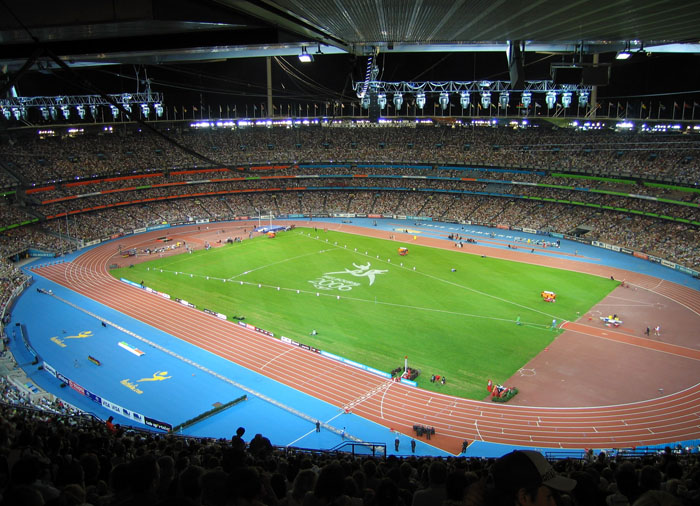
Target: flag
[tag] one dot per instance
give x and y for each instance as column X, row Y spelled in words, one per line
column 619, row 105
column 686, row 105
column 662, row 107
column 695, row 104
column 675, row 104
column 644, row 106
column 537, row 105
column 194, row 109
column 175, row 109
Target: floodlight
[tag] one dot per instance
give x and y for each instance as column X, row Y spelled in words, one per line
column 583, row 97
column 81, row 111
column 365, row 102
column 159, row 109
column 304, row 56
column 464, row 99
column 381, row 100
column 54, row 112
column 398, row 100
column 7, row 113
column 444, row 100
column 551, row 99
column 16, row 113
column 115, row 111
column 485, row 99
column 93, row 111
column 66, row 111
column 127, row 107
column 44, row 112
column 526, row 99
column 566, row 99
column 420, row 100
column 145, row 110
column 503, row 100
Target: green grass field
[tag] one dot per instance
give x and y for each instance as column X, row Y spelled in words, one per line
column 373, row 306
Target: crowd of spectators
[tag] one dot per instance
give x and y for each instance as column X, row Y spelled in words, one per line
column 128, row 150
column 51, row 454
column 62, row 458
column 91, row 200
column 673, row 241
column 16, row 241
column 11, row 278
column 12, row 395
column 67, row 164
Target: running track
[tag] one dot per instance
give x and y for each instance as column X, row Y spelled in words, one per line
column 671, row 418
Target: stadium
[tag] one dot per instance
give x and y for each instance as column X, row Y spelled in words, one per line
column 367, row 277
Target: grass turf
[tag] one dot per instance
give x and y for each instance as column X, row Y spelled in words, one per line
column 452, row 314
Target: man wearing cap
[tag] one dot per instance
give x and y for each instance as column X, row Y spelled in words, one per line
column 525, row 478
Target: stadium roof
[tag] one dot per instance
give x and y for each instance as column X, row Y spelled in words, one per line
column 98, row 32
column 426, row 39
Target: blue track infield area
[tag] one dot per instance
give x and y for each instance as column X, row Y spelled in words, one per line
column 64, row 336
column 186, row 390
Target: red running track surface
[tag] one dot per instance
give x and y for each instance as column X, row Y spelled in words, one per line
column 674, row 417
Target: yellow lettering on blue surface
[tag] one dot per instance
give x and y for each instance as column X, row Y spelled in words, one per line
column 134, row 387
column 82, row 335
column 58, row 342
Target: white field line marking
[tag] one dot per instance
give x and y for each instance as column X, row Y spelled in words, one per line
column 280, row 355
column 284, row 260
column 478, row 434
column 381, row 403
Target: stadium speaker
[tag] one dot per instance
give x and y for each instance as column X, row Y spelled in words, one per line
column 567, row 75
column 515, row 65
column 596, row 76
column 374, row 110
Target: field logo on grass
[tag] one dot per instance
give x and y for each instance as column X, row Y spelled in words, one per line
column 134, row 385
column 330, row 282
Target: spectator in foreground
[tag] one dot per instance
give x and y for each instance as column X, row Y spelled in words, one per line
column 525, row 478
